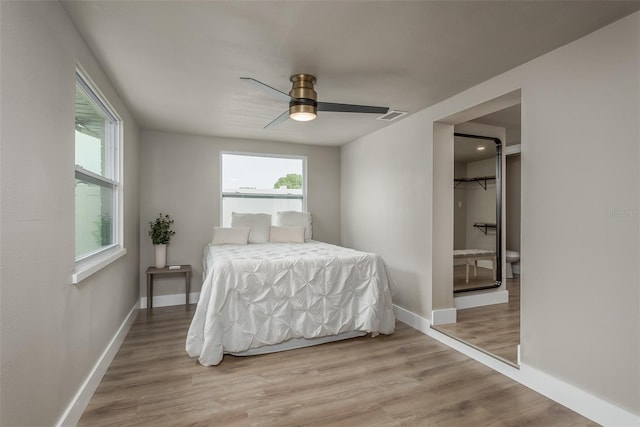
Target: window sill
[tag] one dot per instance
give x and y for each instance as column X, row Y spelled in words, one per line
column 86, row 268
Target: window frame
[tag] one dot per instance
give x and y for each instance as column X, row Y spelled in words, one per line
column 91, row 262
column 257, row 195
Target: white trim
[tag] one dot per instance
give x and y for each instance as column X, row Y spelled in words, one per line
column 574, row 398
column 92, row 265
column 475, row 354
column 114, row 177
column 95, row 178
column 94, row 87
column 512, row 149
column 444, row 316
column 568, row 395
column 170, row 300
column 481, row 299
column 78, row 404
column 411, row 319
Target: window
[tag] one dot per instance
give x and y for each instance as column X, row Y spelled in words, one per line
column 97, row 174
column 261, row 183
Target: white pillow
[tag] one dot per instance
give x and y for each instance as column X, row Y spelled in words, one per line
column 295, row 219
column 286, row 235
column 230, row 236
column 259, row 223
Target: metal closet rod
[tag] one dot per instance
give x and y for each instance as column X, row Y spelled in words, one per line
column 498, row 143
column 477, row 179
column 488, row 138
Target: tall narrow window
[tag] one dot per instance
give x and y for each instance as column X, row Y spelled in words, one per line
column 257, row 183
column 97, row 172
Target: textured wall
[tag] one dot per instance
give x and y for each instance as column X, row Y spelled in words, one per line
column 580, row 203
column 52, row 331
column 180, row 175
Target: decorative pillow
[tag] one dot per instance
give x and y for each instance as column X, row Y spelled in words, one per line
column 286, row 234
column 295, row 219
column 230, row 236
column 259, row 223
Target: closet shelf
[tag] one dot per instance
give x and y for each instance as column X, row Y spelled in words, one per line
column 481, row 180
column 483, row 226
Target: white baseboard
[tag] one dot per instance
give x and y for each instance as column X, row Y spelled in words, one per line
column 568, row 395
column 76, row 407
column 576, row 399
column 169, row 300
column 443, row 316
column 481, row 299
column 411, row 319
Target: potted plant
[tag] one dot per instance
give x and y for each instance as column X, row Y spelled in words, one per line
column 160, row 233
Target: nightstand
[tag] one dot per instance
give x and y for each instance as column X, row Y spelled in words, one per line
column 152, row 271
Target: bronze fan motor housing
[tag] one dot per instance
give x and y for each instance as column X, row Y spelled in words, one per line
column 304, row 96
column 303, row 100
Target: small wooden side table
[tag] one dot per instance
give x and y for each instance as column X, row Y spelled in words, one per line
column 151, row 271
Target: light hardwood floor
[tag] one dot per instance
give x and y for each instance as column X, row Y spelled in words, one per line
column 494, row 329
column 406, row 378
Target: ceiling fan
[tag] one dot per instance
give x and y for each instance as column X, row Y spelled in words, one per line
column 303, row 104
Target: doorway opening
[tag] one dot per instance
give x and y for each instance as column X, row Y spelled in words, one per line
column 485, row 221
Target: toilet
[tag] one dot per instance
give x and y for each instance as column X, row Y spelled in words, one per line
column 512, row 257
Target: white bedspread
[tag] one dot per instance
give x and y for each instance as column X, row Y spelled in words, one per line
column 263, row 294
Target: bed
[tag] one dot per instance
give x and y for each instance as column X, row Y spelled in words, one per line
column 256, row 297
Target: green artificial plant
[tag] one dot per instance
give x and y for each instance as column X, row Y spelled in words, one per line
column 160, row 230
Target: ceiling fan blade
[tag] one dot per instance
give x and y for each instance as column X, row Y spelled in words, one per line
column 267, row 88
column 281, row 118
column 350, row 108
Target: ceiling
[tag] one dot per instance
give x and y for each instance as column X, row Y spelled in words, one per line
column 177, row 64
column 467, row 150
column 509, row 118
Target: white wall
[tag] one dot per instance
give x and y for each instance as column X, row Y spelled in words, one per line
column 52, row 332
column 580, row 208
column 580, row 292
column 512, row 199
column 180, row 175
column 460, row 208
column 385, row 193
column 481, row 205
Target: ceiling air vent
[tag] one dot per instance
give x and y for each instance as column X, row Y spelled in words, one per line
column 392, row 115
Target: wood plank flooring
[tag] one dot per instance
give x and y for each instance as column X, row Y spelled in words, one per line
column 403, row 379
column 493, row 328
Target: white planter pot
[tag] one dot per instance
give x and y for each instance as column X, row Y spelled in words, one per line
column 161, row 256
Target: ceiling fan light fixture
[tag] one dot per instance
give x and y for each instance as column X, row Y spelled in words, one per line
column 304, row 105
column 302, row 112
column 302, row 87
